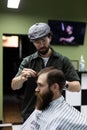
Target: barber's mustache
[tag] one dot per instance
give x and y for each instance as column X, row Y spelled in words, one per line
column 42, row 48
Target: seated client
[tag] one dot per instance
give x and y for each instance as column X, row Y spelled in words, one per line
column 52, row 112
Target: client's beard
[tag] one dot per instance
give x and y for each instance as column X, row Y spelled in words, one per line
column 43, row 100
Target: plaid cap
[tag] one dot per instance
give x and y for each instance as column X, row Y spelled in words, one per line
column 38, row 30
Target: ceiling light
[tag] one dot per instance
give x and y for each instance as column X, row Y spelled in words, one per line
column 13, row 4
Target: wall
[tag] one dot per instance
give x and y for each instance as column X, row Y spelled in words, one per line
column 19, row 24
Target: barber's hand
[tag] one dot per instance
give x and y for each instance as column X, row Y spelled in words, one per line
column 26, row 73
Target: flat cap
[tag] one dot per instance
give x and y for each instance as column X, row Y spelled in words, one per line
column 38, row 30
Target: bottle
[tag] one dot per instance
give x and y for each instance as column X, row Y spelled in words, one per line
column 81, row 63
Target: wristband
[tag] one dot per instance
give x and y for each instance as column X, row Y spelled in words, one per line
column 66, row 85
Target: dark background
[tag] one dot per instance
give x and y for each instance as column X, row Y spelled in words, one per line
column 12, row 60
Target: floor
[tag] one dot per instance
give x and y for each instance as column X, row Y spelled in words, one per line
column 16, row 127
column 12, row 109
column 9, row 126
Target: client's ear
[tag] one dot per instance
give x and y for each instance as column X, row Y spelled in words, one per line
column 55, row 87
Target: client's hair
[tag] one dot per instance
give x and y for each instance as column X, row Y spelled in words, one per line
column 54, row 75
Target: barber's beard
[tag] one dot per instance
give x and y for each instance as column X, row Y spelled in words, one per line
column 43, row 100
column 44, row 50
